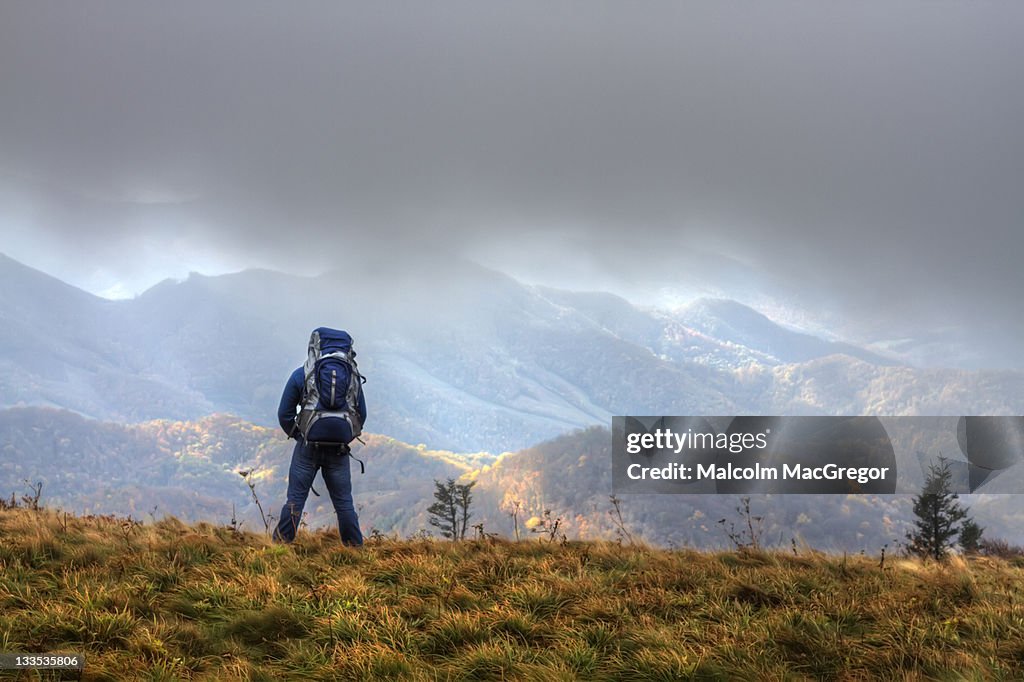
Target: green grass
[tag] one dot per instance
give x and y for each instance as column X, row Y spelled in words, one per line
column 167, row 601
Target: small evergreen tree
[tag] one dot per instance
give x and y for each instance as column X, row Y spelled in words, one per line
column 970, row 537
column 938, row 514
column 463, row 498
column 443, row 513
column 450, row 511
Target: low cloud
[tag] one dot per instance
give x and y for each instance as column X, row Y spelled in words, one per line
column 865, row 158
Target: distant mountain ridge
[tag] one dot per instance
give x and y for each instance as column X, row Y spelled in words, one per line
column 732, row 322
column 459, row 357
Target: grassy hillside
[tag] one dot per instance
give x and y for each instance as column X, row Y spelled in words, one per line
column 171, row 601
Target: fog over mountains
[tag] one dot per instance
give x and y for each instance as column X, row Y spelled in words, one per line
column 458, row 357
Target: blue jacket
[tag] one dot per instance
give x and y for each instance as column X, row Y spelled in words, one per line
column 292, row 396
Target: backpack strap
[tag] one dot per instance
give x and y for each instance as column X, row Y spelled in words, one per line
column 342, row 449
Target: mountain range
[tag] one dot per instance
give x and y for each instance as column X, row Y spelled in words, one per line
column 459, row 357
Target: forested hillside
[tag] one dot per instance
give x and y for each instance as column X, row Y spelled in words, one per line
column 191, row 470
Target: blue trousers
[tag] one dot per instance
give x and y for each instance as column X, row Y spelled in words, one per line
column 306, row 461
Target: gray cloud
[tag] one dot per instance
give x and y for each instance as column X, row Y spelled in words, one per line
column 867, row 156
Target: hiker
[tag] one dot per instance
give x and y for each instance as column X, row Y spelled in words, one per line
column 328, row 389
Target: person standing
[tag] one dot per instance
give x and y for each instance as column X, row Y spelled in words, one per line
column 328, row 394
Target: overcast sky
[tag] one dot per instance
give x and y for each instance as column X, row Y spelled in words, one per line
column 866, row 156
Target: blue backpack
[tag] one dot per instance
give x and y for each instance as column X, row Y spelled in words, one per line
column 329, row 412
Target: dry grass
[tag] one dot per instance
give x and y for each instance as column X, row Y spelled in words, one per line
column 168, row 601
